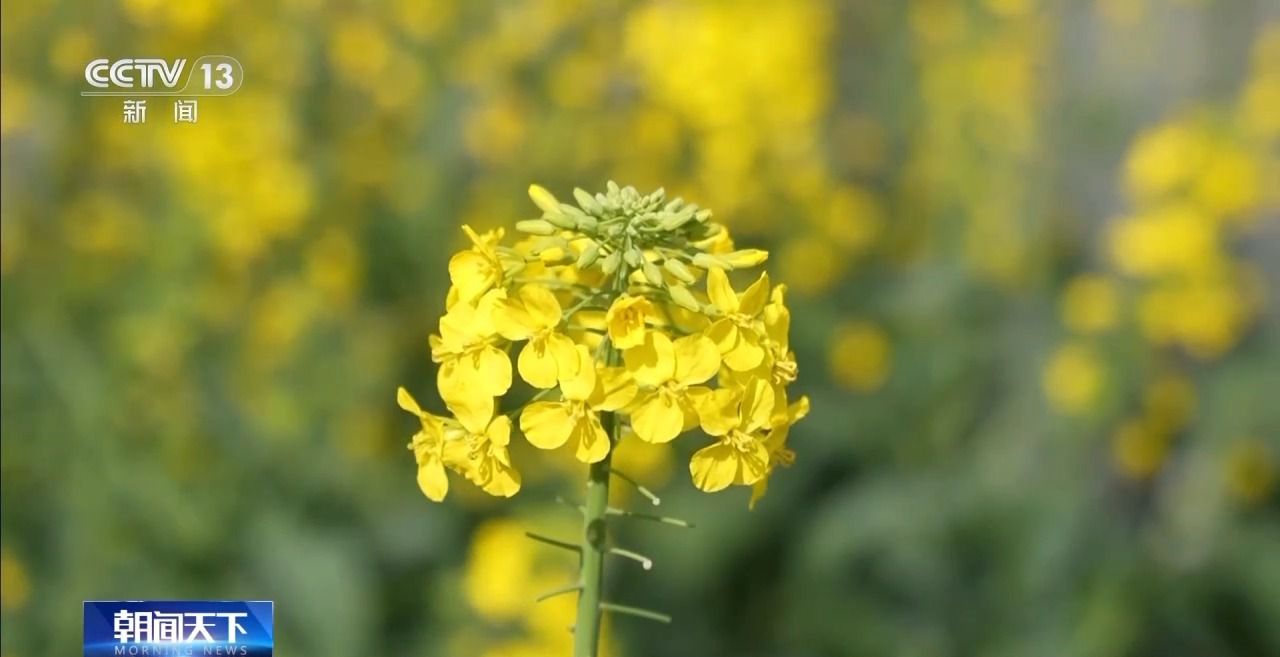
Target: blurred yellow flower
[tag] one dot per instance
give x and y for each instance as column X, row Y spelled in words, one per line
column 810, row 264
column 359, row 49
column 1090, row 304
column 1205, row 317
column 1137, row 450
column 498, row 580
column 1169, row 239
column 1073, row 379
column 1229, row 184
column 1165, row 158
column 15, row 585
column 860, row 356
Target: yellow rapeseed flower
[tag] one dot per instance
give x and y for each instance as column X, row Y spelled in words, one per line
column 470, row 363
column 428, row 447
column 587, row 392
column 670, row 372
column 738, row 330
column 626, row 320
column 487, row 461
column 535, row 316
column 779, row 454
column 477, row 270
column 738, row 418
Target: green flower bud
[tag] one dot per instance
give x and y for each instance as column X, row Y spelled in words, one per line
column 612, row 262
column 679, row 270
column 707, row 261
column 674, row 221
column 589, row 256
column 560, row 221
column 633, row 257
column 587, row 201
column 652, row 273
column 535, row 227
column 682, row 297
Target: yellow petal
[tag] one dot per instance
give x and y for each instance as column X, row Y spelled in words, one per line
column 580, row 386
column 714, row 468
column 473, row 409
column 777, row 324
column 504, row 481
column 407, row 402
column 499, row 431
column 658, row 418
column 757, row 405
column 512, row 319
column 690, row 402
column 472, row 274
column 798, row 410
column 492, row 369
column 720, row 292
column 592, row 441
column 565, row 352
column 724, row 333
column 547, row 425
column 541, row 305
column 653, row 362
column 697, row 359
column 537, row 364
column 614, row 389
column 754, row 465
column 432, row 480
column 457, row 455
column 718, row 411
column 754, row 298
column 450, row 381
column 747, row 354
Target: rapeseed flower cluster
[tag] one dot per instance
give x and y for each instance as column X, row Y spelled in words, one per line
column 620, row 313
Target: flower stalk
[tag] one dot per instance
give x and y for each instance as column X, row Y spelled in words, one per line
column 586, row 631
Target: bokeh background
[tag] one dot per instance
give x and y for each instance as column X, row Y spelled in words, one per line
column 1034, row 256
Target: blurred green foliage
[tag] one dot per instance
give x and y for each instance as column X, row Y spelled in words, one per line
column 1032, row 245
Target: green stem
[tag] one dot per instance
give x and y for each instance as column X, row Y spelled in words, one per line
column 586, row 631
